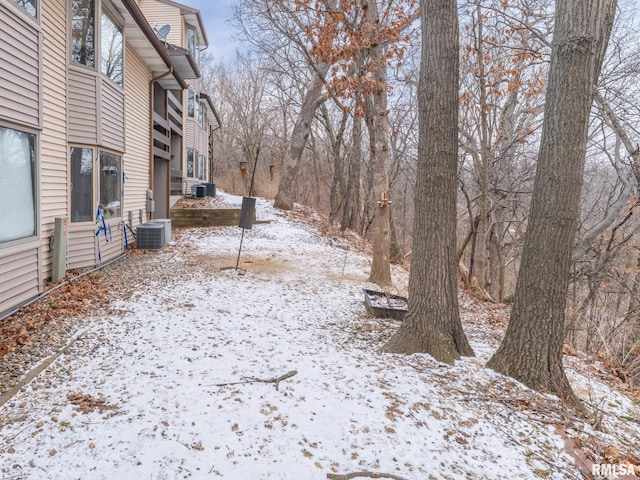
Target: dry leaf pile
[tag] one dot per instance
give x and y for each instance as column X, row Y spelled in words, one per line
column 88, row 403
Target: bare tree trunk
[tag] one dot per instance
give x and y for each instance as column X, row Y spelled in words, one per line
column 351, row 217
column 531, row 350
column 379, row 141
column 338, row 190
column 299, row 136
column 481, row 257
column 432, row 324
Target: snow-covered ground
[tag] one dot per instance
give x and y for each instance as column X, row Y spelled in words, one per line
column 169, row 385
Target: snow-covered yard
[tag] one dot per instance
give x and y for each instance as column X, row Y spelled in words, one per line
column 180, row 381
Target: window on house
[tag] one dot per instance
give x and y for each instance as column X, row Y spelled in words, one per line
column 200, row 167
column 191, row 163
column 111, row 184
column 29, row 6
column 17, row 184
column 83, row 32
column 191, row 103
column 191, row 42
column 81, row 170
column 200, row 116
column 111, row 59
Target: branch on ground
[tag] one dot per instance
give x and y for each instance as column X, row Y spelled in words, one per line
column 347, row 476
column 275, row 380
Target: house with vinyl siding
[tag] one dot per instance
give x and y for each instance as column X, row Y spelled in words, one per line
column 185, row 39
column 91, row 119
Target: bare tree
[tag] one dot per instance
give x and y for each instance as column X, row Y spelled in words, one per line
column 432, row 324
column 531, row 350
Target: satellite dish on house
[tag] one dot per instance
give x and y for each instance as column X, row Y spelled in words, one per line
column 163, row 32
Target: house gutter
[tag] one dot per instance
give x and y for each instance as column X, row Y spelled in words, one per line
column 144, row 26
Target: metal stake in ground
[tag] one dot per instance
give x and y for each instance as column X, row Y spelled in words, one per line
column 248, row 204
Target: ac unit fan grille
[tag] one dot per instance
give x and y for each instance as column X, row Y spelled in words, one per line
column 150, row 236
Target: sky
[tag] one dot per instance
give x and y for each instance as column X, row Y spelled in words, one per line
column 215, row 14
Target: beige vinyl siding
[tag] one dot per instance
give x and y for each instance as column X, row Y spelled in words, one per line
column 112, row 248
column 82, row 246
column 20, row 104
column 137, row 140
column 112, row 120
column 162, row 14
column 54, row 153
column 83, row 106
column 19, row 75
column 19, row 276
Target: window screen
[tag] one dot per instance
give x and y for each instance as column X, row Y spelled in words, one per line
column 17, row 184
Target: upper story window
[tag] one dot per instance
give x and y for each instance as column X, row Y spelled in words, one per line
column 111, row 58
column 89, row 31
column 191, row 103
column 83, row 22
column 29, row 6
column 202, row 116
column 191, row 41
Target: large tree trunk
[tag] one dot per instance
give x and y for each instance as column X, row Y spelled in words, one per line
column 379, row 141
column 432, row 324
column 481, row 167
column 338, row 195
column 351, row 213
column 299, row 136
column 531, row 351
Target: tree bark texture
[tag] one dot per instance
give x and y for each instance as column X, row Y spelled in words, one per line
column 313, row 98
column 531, row 350
column 481, row 167
column 379, row 142
column 352, row 212
column 432, row 324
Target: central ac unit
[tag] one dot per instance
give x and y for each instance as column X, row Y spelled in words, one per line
column 150, row 236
